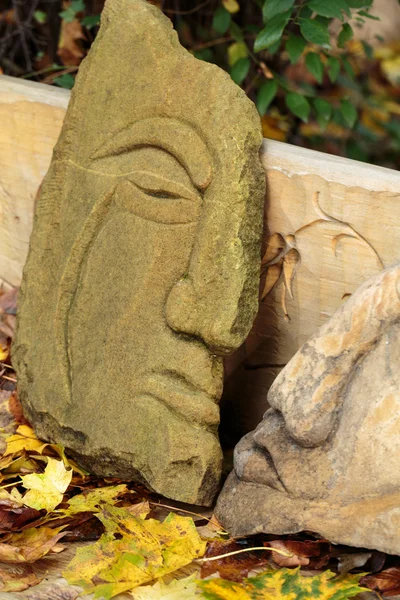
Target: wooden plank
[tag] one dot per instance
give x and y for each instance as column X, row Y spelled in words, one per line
column 340, row 215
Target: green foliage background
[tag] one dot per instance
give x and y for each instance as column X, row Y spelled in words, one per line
column 313, row 82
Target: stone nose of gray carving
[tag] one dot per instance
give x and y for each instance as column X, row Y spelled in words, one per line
column 203, row 316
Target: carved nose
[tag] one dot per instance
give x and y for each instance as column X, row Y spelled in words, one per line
column 206, row 316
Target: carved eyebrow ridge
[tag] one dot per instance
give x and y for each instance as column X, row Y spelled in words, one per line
column 176, row 137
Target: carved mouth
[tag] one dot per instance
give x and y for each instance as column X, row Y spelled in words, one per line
column 177, row 392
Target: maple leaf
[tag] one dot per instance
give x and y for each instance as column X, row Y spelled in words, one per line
column 91, row 500
column 133, row 551
column 46, row 490
column 30, row 545
column 285, row 584
column 180, row 589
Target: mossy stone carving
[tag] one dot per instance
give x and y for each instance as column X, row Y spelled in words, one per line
column 143, row 266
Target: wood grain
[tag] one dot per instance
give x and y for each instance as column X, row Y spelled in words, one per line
column 339, row 217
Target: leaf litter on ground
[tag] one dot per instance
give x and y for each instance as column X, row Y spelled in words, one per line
column 138, row 549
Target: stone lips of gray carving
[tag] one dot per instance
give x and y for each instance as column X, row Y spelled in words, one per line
column 348, row 509
column 246, row 509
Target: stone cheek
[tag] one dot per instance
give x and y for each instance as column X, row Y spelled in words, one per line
column 144, row 261
column 347, row 487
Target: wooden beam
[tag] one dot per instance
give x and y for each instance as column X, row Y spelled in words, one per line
column 337, row 222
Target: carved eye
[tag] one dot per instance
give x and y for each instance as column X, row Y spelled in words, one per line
column 156, row 198
column 161, row 187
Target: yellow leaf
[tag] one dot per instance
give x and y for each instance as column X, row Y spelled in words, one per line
column 4, row 352
column 181, row 589
column 46, row 490
column 30, row 545
column 24, row 439
column 284, row 584
column 236, row 51
column 133, row 551
column 231, row 6
column 91, row 500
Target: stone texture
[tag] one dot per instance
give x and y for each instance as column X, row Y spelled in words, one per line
column 144, row 260
column 325, row 457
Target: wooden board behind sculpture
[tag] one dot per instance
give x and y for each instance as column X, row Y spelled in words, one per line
column 330, row 225
column 364, row 200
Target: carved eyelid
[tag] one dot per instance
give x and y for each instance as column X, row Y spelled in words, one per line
column 153, row 183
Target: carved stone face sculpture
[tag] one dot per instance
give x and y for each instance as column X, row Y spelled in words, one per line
column 325, row 458
column 144, row 260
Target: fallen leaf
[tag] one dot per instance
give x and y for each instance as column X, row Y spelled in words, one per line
column 16, row 410
column 386, row 582
column 24, row 439
column 181, row 589
column 13, row 515
column 46, row 490
column 91, row 500
column 348, row 562
column 133, row 551
column 30, row 545
column 285, row 584
column 287, row 561
column 235, row 567
column 56, row 590
column 17, row 578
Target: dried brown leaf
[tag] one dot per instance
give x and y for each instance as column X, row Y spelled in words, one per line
column 386, row 582
column 30, row 545
column 233, row 568
column 16, row 578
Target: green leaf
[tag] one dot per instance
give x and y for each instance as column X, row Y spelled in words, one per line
column 240, row 69
column 349, row 112
column 348, row 68
column 331, row 8
column 274, row 48
column 221, row 20
column 315, row 32
column 272, row 32
column 333, row 69
column 236, row 51
column 91, row 21
column 364, row 13
column 205, row 54
column 315, row 66
column 345, row 35
column 298, row 105
column 294, row 47
column 265, row 95
column 368, row 49
column 324, row 111
column 276, row 7
column 68, row 15
column 40, row 16
column 78, row 5
column 236, row 32
column 355, row 151
column 65, row 81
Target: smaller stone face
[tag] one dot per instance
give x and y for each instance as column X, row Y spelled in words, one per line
column 325, row 457
column 144, row 260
